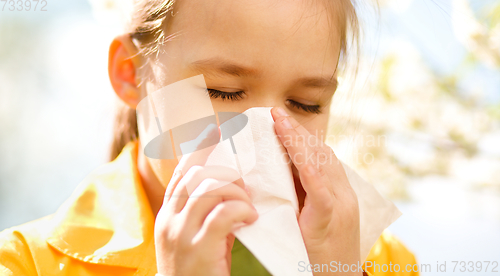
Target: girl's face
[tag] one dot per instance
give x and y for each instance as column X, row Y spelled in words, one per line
column 254, row 53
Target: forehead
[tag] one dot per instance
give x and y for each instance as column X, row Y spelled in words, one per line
column 271, row 36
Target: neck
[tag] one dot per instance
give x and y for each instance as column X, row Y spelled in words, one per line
column 152, row 186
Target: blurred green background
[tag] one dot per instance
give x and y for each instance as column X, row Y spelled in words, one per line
column 421, row 121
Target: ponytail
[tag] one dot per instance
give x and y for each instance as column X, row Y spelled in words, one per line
column 124, row 129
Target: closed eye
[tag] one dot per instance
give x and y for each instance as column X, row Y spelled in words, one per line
column 315, row 109
column 232, row 96
column 238, row 95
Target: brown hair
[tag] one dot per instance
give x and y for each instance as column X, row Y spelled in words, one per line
column 124, row 130
column 149, row 28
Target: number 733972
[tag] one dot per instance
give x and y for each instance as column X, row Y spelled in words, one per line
column 479, row 266
column 24, row 5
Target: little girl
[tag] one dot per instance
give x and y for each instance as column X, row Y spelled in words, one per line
column 133, row 216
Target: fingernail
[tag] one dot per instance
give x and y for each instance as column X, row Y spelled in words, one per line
column 281, row 112
column 248, row 191
column 286, row 123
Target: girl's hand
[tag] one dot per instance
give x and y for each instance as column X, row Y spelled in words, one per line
column 193, row 230
column 329, row 220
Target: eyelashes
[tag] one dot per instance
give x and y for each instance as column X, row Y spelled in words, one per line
column 315, row 109
column 232, row 96
column 235, row 96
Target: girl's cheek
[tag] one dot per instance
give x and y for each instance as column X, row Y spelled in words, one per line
column 317, row 127
column 231, row 106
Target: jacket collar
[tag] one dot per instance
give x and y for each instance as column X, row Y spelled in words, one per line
column 108, row 219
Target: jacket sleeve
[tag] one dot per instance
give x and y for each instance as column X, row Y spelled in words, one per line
column 15, row 255
column 390, row 257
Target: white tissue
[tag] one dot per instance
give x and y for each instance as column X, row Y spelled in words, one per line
column 275, row 238
column 171, row 117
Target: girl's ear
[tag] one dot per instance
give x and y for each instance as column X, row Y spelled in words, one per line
column 122, row 64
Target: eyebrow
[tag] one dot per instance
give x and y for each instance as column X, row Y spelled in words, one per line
column 318, row 82
column 219, row 67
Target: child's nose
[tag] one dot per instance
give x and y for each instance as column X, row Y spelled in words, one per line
column 269, row 99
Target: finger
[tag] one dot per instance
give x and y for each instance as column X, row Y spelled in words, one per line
column 307, row 149
column 311, row 149
column 207, row 141
column 280, row 114
column 296, row 139
column 208, row 194
column 221, row 221
column 210, row 136
column 221, row 173
column 304, row 149
column 319, row 195
column 195, row 175
column 174, row 181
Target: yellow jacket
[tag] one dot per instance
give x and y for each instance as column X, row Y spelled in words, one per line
column 106, row 228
